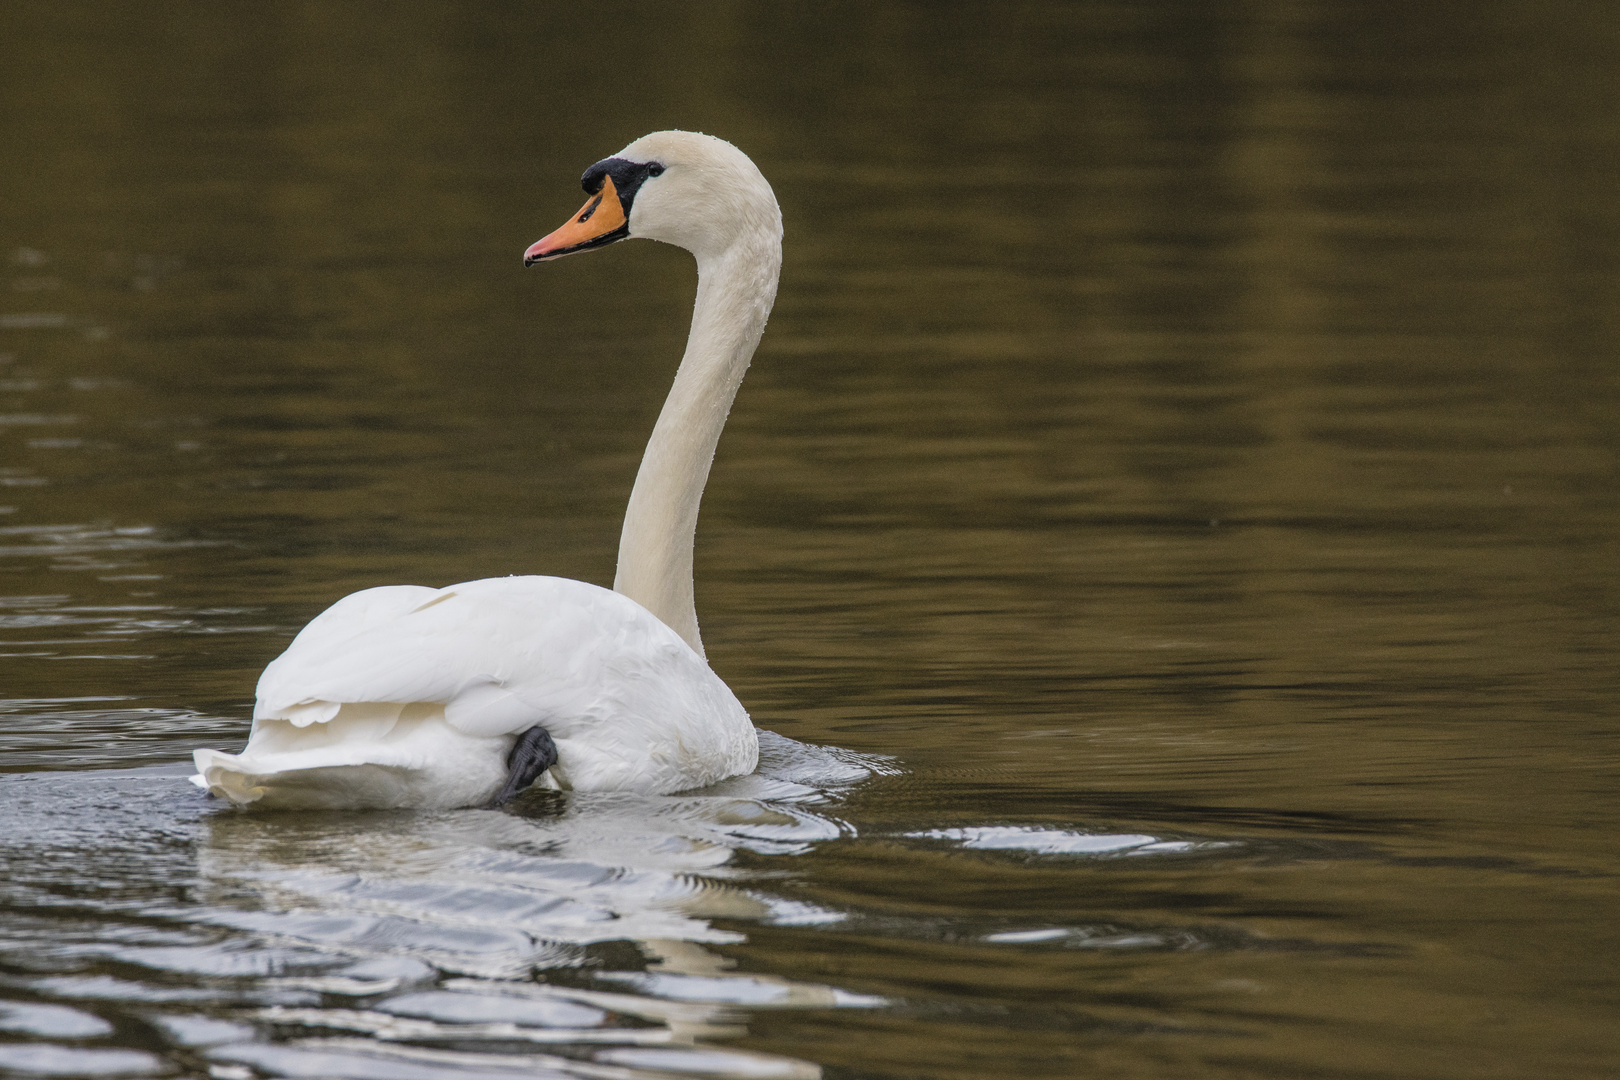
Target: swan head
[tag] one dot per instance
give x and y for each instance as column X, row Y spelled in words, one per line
column 682, row 187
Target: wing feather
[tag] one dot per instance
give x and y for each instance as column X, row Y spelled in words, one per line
column 629, row 704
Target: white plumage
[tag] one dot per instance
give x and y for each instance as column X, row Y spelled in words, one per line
column 405, row 696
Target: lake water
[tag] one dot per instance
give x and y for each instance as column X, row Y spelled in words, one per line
column 1171, row 529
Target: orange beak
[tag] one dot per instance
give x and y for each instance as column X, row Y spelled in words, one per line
column 600, row 221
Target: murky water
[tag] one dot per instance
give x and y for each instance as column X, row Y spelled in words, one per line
column 1171, row 528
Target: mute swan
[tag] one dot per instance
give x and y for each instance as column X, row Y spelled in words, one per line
column 405, row 696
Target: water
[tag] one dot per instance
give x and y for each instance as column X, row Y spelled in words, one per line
column 1170, row 530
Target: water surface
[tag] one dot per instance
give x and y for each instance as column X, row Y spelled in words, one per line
column 1169, row 531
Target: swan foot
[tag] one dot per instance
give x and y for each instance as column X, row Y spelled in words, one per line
column 531, row 755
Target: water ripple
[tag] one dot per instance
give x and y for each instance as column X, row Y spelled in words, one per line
column 1039, row 841
column 400, row 944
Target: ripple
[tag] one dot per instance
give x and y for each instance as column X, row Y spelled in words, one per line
column 37, row 1059
column 36, row 420
column 34, row 320
column 448, row 1007
column 188, row 1030
column 358, row 1060
column 1099, row 938
column 756, row 991
column 397, row 944
column 50, row 1021
column 383, row 1025
column 713, row 1062
column 84, row 732
column 81, row 540
column 1039, row 841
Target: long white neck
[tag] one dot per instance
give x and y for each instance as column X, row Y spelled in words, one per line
column 736, row 288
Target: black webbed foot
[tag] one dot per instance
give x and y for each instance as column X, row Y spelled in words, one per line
column 531, row 755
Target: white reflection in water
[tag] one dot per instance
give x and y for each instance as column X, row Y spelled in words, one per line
column 1041, row 841
column 1062, row 842
column 400, row 944
column 43, row 1059
column 408, row 898
column 494, row 895
column 50, row 1021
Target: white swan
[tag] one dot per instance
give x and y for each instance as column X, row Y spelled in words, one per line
column 405, row 696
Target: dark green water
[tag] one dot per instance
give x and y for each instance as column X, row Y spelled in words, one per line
column 1179, row 482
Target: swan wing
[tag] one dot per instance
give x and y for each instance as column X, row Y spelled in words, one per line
column 629, row 704
column 500, row 654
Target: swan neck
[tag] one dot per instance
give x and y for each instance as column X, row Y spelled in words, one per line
column 736, row 288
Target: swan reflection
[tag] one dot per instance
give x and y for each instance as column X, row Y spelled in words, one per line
column 434, row 926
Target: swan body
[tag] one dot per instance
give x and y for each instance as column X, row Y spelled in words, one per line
column 407, row 696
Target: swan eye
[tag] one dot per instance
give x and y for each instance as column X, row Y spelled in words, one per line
column 655, row 169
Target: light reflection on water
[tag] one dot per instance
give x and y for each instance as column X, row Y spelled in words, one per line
column 409, row 929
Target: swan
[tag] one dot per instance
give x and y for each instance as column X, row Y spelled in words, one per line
column 409, row 696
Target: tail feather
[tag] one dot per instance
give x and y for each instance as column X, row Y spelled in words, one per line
column 374, row 755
